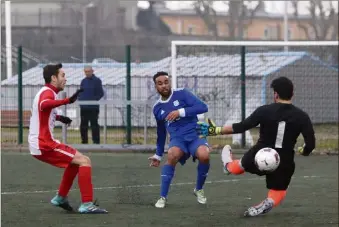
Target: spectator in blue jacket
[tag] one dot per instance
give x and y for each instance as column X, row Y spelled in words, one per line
column 93, row 90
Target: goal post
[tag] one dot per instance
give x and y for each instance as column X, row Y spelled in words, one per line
column 233, row 77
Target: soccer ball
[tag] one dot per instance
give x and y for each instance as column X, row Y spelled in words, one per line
column 267, row 159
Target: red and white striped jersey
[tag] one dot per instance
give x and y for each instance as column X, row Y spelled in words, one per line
column 42, row 121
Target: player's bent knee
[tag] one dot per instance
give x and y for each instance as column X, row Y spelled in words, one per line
column 86, row 161
column 172, row 159
column 173, row 156
column 203, row 154
column 81, row 160
column 204, row 158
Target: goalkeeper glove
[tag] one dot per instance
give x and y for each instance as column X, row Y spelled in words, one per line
column 208, row 129
column 301, row 151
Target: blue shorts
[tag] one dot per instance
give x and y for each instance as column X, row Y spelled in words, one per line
column 188, row 147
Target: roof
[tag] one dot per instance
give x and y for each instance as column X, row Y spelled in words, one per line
column 257, row 64
column 259, row 14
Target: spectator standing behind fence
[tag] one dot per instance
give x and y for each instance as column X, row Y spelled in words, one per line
column 93, row 90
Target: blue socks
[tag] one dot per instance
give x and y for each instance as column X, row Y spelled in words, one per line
column 167, row 174
column 202, row 174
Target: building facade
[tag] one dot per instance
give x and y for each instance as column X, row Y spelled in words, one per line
column 262, row 26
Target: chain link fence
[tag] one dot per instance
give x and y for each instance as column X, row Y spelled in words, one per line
column 210, row 72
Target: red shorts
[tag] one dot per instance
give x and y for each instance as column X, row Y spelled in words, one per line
column 61, row 156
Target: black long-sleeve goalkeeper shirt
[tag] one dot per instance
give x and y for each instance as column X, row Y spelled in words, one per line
column 280, row 126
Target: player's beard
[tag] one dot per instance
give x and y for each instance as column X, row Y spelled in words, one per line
column 166, row 94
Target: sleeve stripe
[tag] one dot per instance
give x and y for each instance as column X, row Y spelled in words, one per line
column 42, row 102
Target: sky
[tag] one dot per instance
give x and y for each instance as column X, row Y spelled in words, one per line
column 271, row 6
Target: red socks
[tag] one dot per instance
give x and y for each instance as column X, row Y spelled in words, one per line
column 85, row 183
column 235, row 167
column 276, row 196
column 84, row 180
column 67, row 179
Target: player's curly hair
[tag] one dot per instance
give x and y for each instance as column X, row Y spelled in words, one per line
column 50, row 70
column 161, row 73
column 284, row 87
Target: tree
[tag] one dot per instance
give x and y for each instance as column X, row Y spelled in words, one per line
column 240, row 15
column 208, row 14
column 323, row 22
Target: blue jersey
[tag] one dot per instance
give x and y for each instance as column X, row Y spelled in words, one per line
column 184, row 127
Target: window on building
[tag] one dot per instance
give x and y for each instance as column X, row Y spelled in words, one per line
column 220, row 30
column 179, row 26
column 191, row 30
column 271, row 32
column 245, row 33
column 290, row 34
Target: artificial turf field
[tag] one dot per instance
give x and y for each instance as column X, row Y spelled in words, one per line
column 128, row 188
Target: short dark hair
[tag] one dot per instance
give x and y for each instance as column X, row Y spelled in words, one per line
column 161, row 73
column 284, row 87
column 50, row 70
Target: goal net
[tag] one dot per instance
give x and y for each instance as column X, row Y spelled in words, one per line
column 234, row 78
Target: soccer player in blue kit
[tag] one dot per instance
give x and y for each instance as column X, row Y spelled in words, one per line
column 176, row 111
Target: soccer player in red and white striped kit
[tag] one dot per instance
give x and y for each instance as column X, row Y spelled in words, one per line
column 45, row 148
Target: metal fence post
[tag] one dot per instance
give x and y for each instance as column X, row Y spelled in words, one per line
column 20, row 97
column 128, row 95
column 145, row 123
column 243, row 92
column 105, row 123
column 64, row 126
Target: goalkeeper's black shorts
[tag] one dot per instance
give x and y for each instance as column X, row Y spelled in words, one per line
column 277, row 180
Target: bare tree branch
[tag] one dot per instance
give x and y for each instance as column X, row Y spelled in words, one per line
column 205, row 10
column 246, row 19
column 300, row 25
column 322, row 22
column 240, row 16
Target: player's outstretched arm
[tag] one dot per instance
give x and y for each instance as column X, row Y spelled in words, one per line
column 194, row 105
column 309, row 137
column 48, row 101
column 209, row 128
column 252, row 121
column 161, row 139
column 74, row 97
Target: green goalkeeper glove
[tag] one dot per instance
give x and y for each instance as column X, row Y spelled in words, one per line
column 208, row 129
column 301, row 150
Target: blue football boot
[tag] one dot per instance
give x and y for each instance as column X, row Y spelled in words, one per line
column 91, row 208
column 62, row 202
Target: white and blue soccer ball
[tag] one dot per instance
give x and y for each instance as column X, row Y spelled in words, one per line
column 267, row 159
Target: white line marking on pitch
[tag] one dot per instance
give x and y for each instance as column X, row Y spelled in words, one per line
column 145, row 185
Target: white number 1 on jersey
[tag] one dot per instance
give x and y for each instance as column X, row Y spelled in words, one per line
column 280, row 134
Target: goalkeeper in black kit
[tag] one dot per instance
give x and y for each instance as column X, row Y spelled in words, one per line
column 280, row 125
